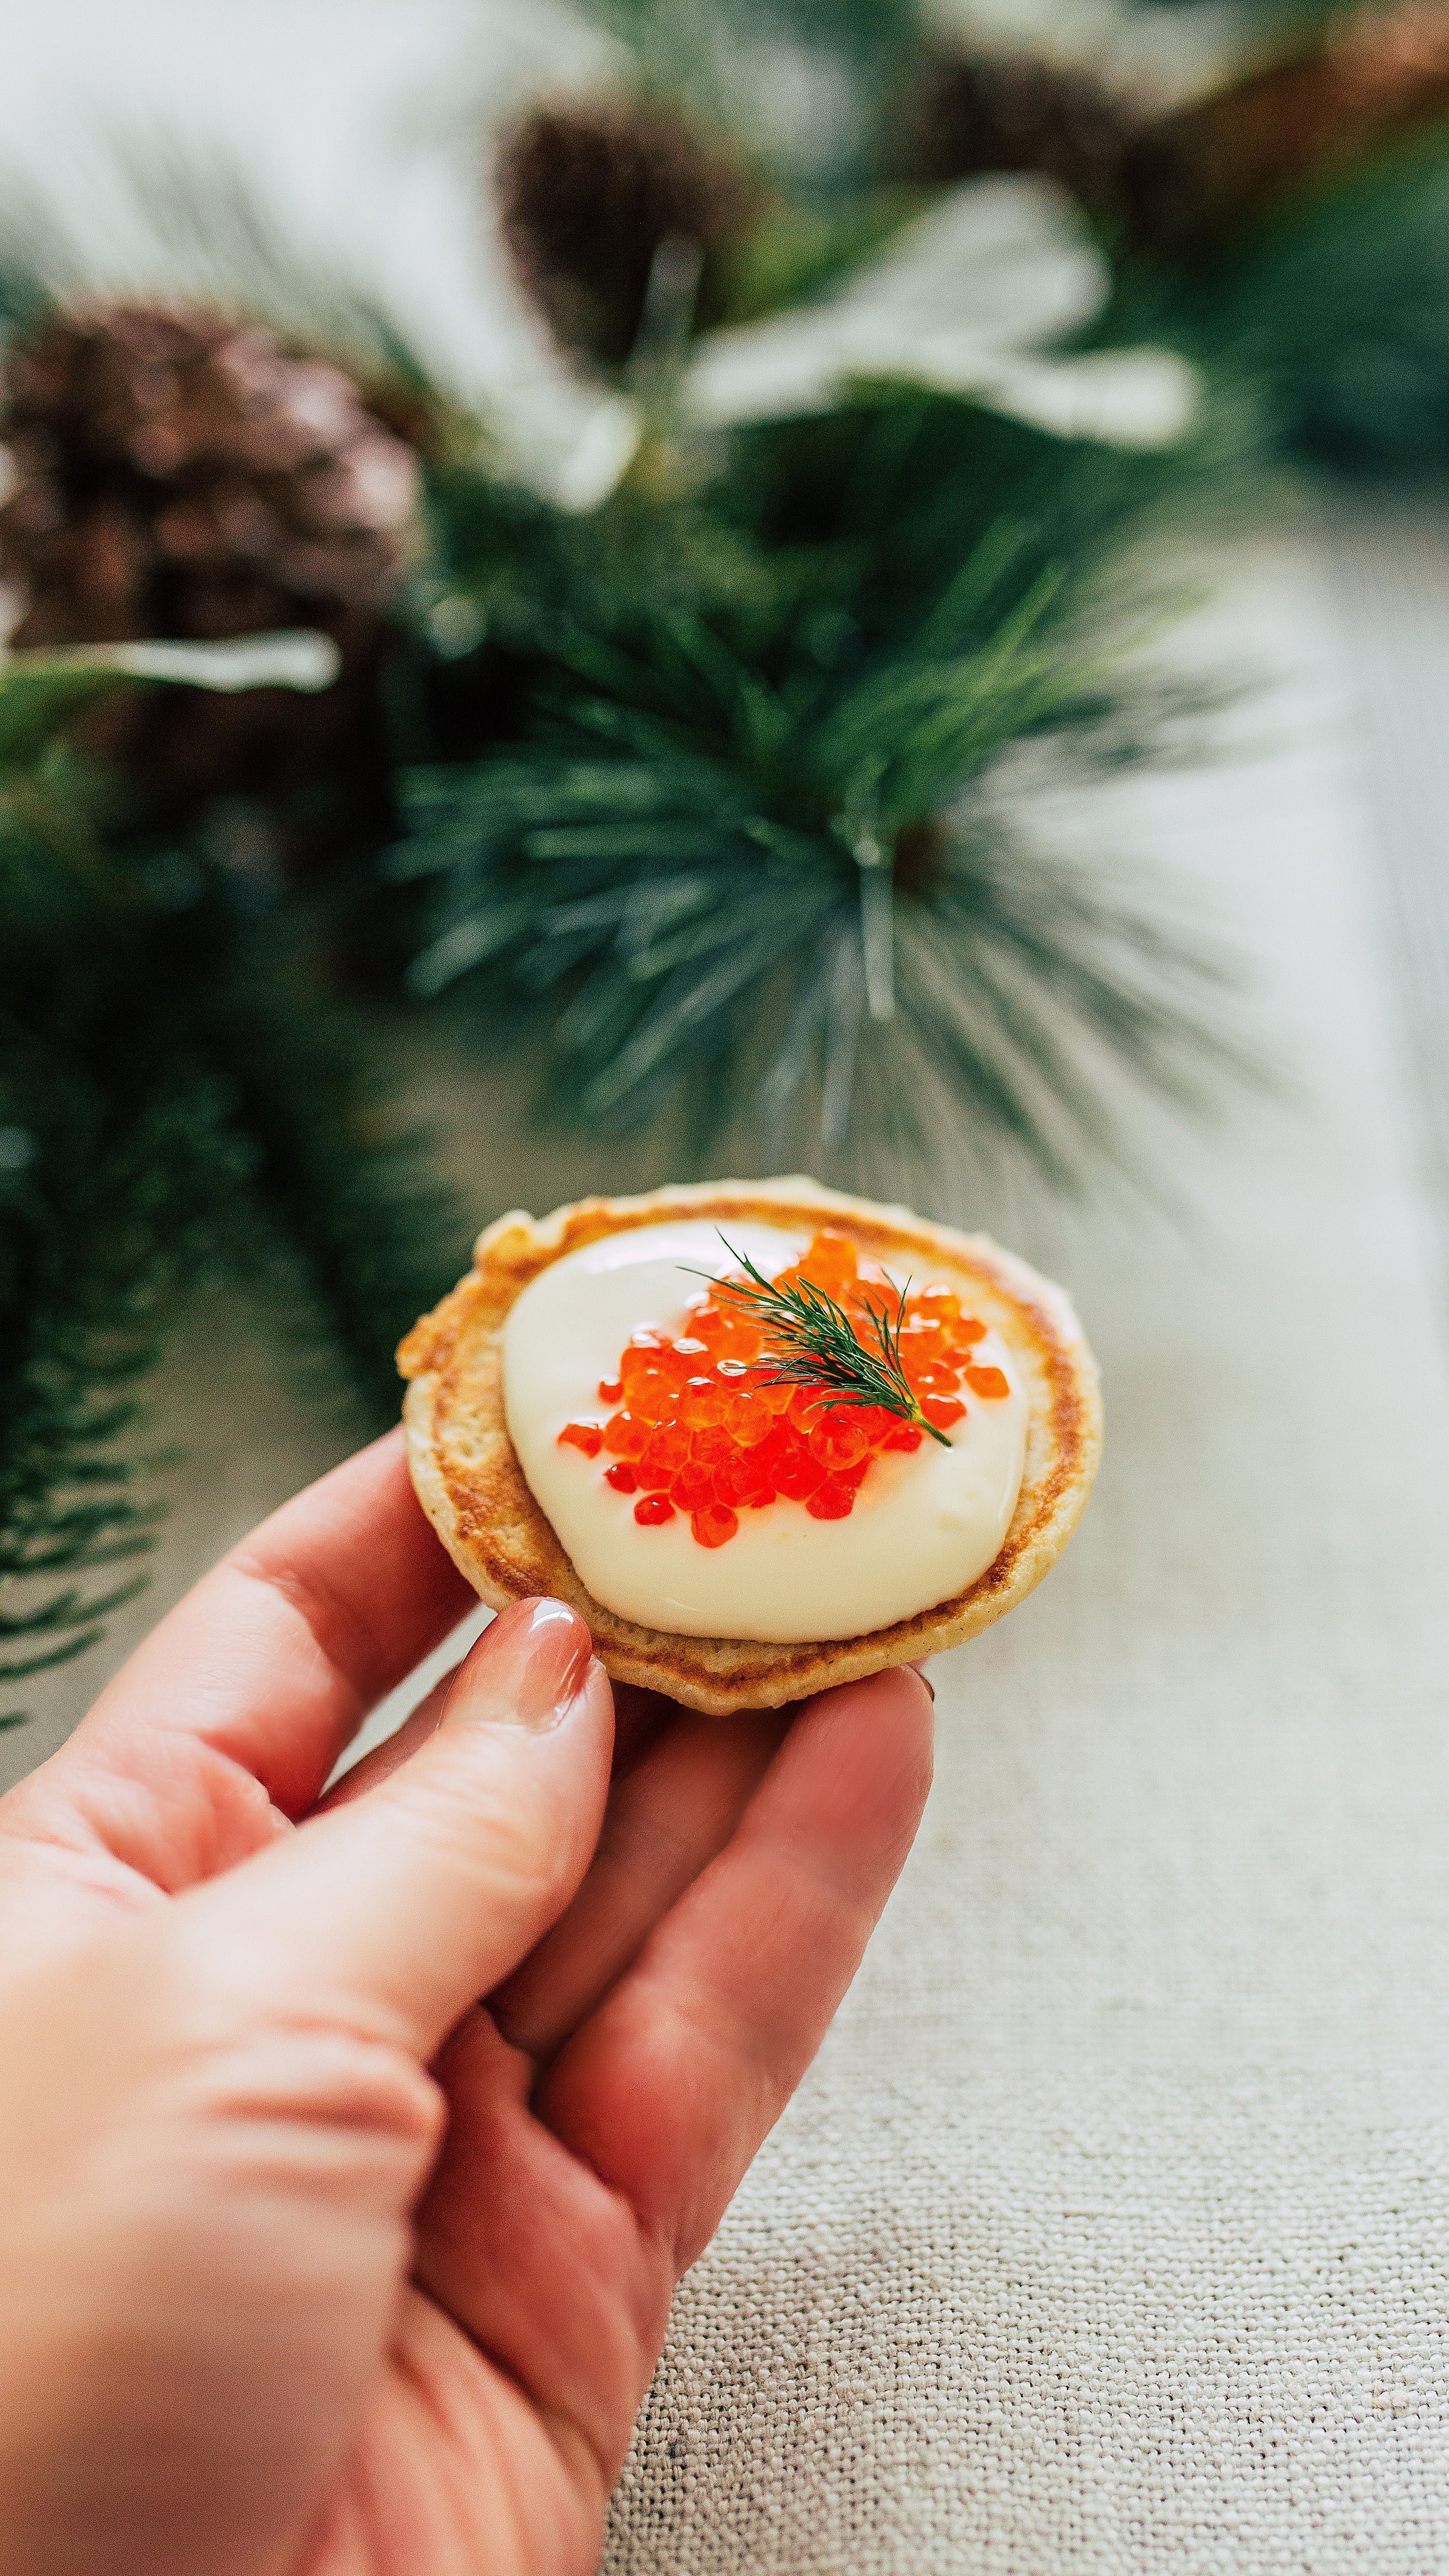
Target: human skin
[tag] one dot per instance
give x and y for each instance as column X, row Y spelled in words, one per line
column 311, row 2263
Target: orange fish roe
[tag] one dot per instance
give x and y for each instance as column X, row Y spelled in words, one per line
column 700, row 1428
column 587, row 1436
column 988, row 1382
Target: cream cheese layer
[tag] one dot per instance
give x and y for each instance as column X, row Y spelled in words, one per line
column 924, row 1525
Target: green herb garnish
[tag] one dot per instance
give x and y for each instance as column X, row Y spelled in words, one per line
column 811, row 1341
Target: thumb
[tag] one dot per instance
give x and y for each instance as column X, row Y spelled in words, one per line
column 399, row 1909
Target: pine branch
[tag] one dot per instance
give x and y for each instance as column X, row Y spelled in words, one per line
column 173, row 1116
column 336, row 1181
column 140, row 1151
column 753, row 829
column 116, row 1148
column 1337, row 315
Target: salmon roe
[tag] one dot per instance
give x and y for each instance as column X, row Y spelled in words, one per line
column 699, row 1427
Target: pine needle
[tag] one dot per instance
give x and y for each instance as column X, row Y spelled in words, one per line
column 737, row 853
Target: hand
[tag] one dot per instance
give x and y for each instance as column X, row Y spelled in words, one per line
column 312, row 2264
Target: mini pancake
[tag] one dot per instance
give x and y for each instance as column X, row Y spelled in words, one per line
column 471, row 1486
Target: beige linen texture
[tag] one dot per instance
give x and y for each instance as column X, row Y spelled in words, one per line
column 1110, row 2234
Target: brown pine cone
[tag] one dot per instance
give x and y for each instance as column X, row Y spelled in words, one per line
column 179, row 474
column 587, row 192
column 1373, row 75
column 970, row 114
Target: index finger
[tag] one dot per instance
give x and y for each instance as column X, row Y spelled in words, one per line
column 669, row 2088
column 276, row 1656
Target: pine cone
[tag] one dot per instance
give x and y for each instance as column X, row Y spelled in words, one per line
column 588, row 193
column 1372, row 76
column 974, row 113
column 177, row 474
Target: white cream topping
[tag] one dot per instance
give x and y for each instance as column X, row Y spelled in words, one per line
column 925, row 1523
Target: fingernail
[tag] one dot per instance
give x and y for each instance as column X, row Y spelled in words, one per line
column 530, row 1669
column 926, row 1678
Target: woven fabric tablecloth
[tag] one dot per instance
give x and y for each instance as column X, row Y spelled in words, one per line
column 1111, row 2231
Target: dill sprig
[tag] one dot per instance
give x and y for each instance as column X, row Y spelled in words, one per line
column 811, row 1341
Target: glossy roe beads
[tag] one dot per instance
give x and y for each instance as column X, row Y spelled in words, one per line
column 701, row 1426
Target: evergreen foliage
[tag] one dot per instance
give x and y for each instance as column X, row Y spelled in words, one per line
column 347, row 1195
column 174, row 1104
column 1339, row 316
column 737, row 850
column 108, row 1136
